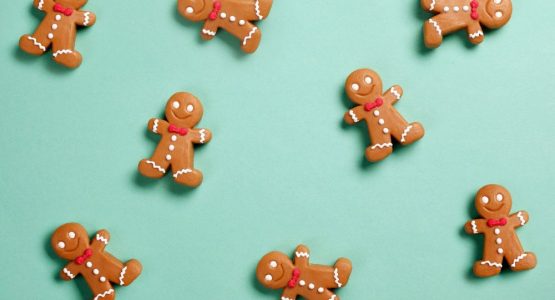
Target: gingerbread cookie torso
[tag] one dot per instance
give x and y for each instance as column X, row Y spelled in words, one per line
column 234, row 16
column 364, row 87
column 454, row 15
column 493, row 203
column 175, row 150
column 300, row 278
column 58, row 29
column 89, row 259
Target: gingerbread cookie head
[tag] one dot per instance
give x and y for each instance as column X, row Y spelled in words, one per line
column 197, row 10
column 493, row 202
column 274, row 270
column 75, row 4
column 362, row 85
column 69, row 241
column 184, row 110
column 496, row 13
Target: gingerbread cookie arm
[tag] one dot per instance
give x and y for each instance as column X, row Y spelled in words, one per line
column 69, row 271
column 519, row 219
column 354, row 115
column 475, row 33
column 157, row 125
column 209, row 30
column 475, row 226
column 302, row 256
column 43, row 4
column 85, row 18
column 100, row 240
column 201, row 136
column 393, row 94
column 433, row 5
column 288, row 294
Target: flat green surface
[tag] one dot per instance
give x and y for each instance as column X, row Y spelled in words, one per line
column 282, row 168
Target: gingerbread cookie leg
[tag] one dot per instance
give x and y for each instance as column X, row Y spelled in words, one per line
column 63, row 51
column 336, row 276
column 437, row 27
column 381, row 146
column 491, row 263
column 249, row 35
column 517, row 259
column 101, row 290
column 404, row 132
column 123, row 274
column 184, row 173
column 156, row 166
column 35, row 44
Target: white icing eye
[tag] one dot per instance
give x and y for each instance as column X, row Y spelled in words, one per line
column 497, row 1
column 498, row 14
column 175, row 104
column 273, row 264
column 268, row 277
column 189, row 10
column 71, row 235
column 499, row 197
column 368, row 79
column 61, row 245
column 190, row 108
column 485, row 200
column 355, row 87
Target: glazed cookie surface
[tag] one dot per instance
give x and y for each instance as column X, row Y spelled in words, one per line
column 58, row 30
column 300, row 278
column 89, row 259
column 493, row 203
column 233, row 16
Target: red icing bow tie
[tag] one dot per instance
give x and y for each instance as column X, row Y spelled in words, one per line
column 495, row 222
column 216, row 10
column 474, row 10
column 295, row 278
column 86, row 255
column 178, row 130
column 371, row 105
column 64, row 10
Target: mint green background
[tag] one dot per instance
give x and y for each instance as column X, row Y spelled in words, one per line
column 282, row 168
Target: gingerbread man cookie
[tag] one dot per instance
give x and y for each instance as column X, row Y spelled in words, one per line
column 364, row 87
column 454, row 15
column 58, row 29
column 98, row 267
column 183, row 112
column 493, row 203
column 234, row 16
column 299, row 278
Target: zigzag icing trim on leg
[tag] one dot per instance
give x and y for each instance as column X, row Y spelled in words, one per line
column 208, row 32
column 36, row 43
column 182, row 171
column 491, row 264
column 405, row 132
column 432, row 5
column 154, row 165
column 155, row 126
column 519, row 258
column 353, row 116
column 108, row 292
column 285, row 298
column 63, row 51
column 257, row 9
column 102, row 239
column 474, row 228
column 436, row 26
column 41, row 2
column 336, row 277
column 202, row 135
column 521, row 218
column 333, row 297
column 302, row 254
column 87, row 19
column 121, row 275
column 381, row 146
column 476, row 34
column 396, row 93
column 248, row 37
column 68, row 273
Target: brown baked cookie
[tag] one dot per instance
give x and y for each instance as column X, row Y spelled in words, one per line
column 364, row 87
column 234, row 16
column 493, row 202
column 98, row 267
column 175, row 149
column 58, row 29
column 454, row 15
column 299, row 278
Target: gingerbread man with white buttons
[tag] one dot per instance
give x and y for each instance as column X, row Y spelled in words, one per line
column 175, row 149
column 455, row 15
column 234, row 16
column 58, row 29
column 299, row 278
column 493, row 202
column 364, row 87
column 98, row 267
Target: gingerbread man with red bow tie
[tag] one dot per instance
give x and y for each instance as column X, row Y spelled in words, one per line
column 58, row 29
column 493, row 203
column 299, row 278
column 364, row 87
column 175, row 149
column 89, row 259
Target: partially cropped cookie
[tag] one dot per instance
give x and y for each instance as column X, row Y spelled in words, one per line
column 299, row 278
column 375, row 107
column 178, row 135
column 89, row 259
column 493, row 203
column 234, row 16
column 468, row 15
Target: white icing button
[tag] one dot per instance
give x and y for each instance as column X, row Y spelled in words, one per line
column 376, row 113
column 497, row 231
column 232, row 18
column 54, row 26
column 102, row 279
column 500, row 250
column 381, row 121
column 50, row 36
column 301, row 283
column 172, row 147
column 386, row 130
column 168, row 157
column 58, row 17
column 465, row 8
column 311, row 286
column 456, row 8
column 446, row 9
column 89, row 264
column 223, row 15
column 498, row 14
column 320, row 290
column 95, row 271
column 498, row 241
column 174, row 138
column 242, row 22
column 497, row 1
column 268, row 277
column 189, row 10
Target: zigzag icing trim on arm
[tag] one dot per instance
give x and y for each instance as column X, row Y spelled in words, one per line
column 436, row 26
column 102, row 239
column 257, row 9
column 521, row 218
column 155, row 126
column 154, row 165
column 474, row 227
column 405, row 132
column 68, row 273
column 432, row 5
column 41, row 3
column 302, row 254
column 208, row 32
column 353, row 116
column 121, row 275
column 381, row 146
column 336, row 277
column 248, row 37
column 87, row 19
column 333, row 297
column 36, row 43
column 202, row 135
column 396, row 93
column 476, row 34
column 106, row 293
column 519, row 258
column 491, row 264
column 182, row 171
column 63, row 51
